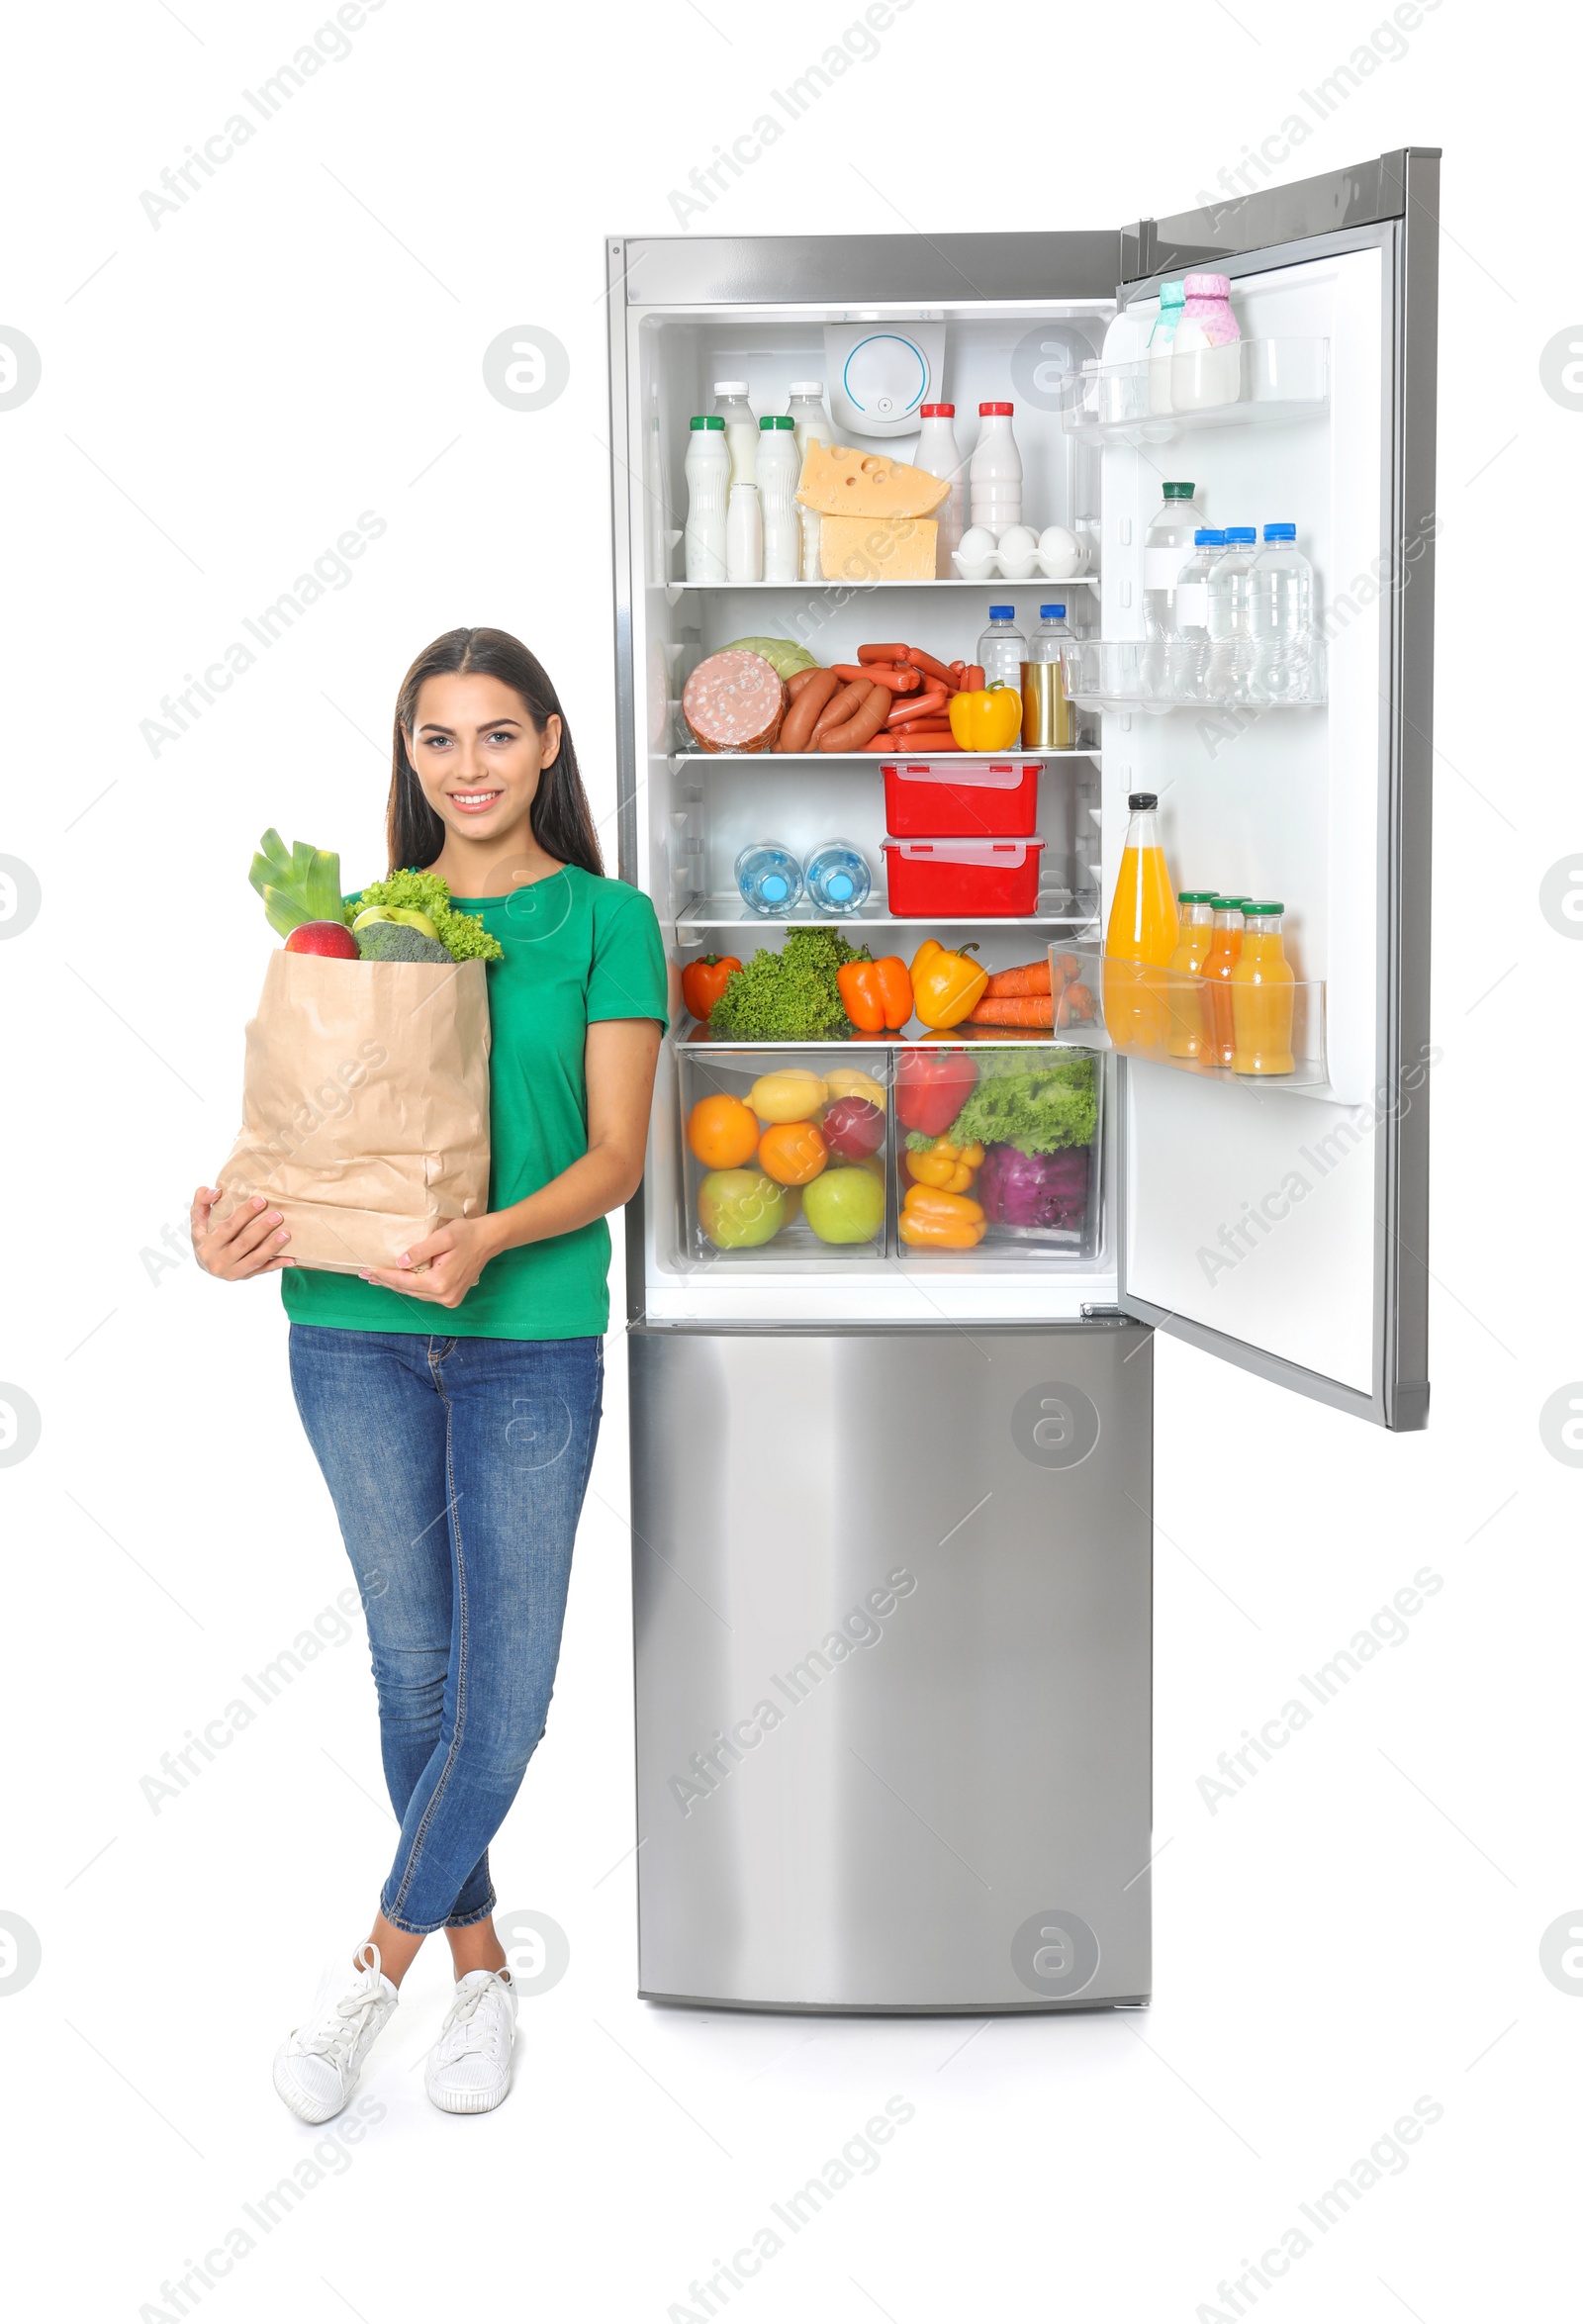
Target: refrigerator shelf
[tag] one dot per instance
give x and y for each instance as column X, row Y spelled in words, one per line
column 1262, row 382
column 1114, row 673
column 693, row 1037
column 914, row 758
column 1141, row 1009
column 729, row 911
column 1070, row 581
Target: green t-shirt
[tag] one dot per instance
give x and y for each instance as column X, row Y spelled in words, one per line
column 579, row 951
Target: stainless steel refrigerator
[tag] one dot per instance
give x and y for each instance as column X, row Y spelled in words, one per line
column 890, row 1505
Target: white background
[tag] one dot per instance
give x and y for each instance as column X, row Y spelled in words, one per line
column 221, row 397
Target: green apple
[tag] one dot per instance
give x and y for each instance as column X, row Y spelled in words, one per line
column 740, row 1208
column 845, row 1205
column 408, row 919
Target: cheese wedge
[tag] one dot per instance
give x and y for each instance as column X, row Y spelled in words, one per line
column 877, row 548
column 838, row 482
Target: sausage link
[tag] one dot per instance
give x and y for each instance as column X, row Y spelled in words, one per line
column 880, row 653
column 922, row 660
column 859, row 730
column 923, row 705
column 841, row 707
column 797, row 729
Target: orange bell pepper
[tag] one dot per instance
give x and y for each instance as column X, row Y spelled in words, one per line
column 945, row 985
column 947, row 1222
column 876, row 995
column 704, row 982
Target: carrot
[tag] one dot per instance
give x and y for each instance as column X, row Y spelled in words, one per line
column 1018, row 983
column 1037, row 1009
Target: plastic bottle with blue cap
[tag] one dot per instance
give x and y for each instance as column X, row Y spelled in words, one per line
column 1283, row 616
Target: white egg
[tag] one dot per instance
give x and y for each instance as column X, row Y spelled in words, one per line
column 976, row 544
column 1018, row 541
column 1061, row 553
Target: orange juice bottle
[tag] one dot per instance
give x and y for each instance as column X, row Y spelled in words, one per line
column 1186, row 1037
column 1140, row 933
column 1262, row 995
column 1225, row 950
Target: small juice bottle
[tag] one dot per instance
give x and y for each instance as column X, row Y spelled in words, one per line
column 1186, row 1037
column 1262, row 995
column 1225, row 950
column 1140, row 933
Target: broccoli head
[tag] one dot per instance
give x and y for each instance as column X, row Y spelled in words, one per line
column 394, row 940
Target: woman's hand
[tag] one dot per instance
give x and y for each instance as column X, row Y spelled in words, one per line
column 246, row 1243
column 451, row 1261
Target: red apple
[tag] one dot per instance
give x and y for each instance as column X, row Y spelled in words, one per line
column 853, row 1127
column 333, row 940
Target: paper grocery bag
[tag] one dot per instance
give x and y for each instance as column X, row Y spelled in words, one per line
column 365, row 1105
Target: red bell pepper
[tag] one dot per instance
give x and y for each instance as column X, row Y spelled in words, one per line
column 704, row 982
column 932, row 1088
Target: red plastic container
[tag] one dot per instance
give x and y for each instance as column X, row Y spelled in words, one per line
column 927, row 800
column 963, row 879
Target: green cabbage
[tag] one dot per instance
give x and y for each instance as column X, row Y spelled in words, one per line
column 784, row 655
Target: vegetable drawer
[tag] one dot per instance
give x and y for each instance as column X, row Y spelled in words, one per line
column 997, row 801
column 969, row 878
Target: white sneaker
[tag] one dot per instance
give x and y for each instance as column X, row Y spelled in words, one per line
column 317, row 2063
column 469, row 2068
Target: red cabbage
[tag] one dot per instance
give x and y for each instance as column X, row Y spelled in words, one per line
column 1020, row 1189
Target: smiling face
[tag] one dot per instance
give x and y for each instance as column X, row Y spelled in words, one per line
column 478, row 755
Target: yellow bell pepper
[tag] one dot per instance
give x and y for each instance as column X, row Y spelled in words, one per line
column 950, row 1169
column 945, row 1222
column 945, row 985
column 988, row 720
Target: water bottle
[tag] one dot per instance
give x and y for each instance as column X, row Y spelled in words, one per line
column 839, row 878
column 707, row 469
column 1283, row 616
column 779, row 467
column 1168, row 546
column 769, row 879
column 1003, row 649
column 1188, row 653
column 1231, row 617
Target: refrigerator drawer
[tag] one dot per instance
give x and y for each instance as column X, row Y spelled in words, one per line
column 892, row 1594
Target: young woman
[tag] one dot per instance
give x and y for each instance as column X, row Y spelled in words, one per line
column 456, row 1445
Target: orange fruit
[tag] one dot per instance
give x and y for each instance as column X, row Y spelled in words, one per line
column 791, row 1152
column 722, row 1132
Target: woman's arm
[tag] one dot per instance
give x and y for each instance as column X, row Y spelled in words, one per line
column 619, row 1061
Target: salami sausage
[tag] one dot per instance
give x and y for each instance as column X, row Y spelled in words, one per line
column 734, row 702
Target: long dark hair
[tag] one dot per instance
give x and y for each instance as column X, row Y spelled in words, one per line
column 560, row 820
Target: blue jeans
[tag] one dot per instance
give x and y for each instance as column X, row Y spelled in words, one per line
column 457, row 1469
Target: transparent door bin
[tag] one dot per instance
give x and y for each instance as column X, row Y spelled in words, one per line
column 1255, row 380
column 1188, row 1022
column 786, row 1156
column 1023, row 1149
column 1143, row 674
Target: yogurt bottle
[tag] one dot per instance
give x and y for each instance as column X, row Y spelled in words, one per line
column 779, row 470
column 1206, row 356
column 937, row 455
column 741, row 429
column 707, row 469
column 810, row 427
column 994, row 474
